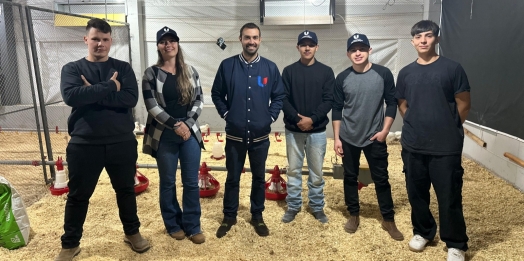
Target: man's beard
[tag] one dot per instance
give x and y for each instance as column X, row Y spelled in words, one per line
column 247, row 51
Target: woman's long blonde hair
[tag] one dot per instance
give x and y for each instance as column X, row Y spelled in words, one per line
column 184, row 85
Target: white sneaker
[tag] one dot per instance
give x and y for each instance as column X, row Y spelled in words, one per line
column 417, row 243
column 456, row 254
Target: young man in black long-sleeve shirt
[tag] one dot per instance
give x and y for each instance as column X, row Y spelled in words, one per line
column 309, row 95
column 102, row 92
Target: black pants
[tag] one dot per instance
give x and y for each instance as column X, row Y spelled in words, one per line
column 377, row 157
column 235, row 159
column 85, row 162
column 445, row 174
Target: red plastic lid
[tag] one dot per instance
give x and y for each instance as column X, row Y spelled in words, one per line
column 204, row 169
column 58, row 164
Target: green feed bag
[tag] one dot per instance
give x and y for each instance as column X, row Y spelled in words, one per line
column 14, row 222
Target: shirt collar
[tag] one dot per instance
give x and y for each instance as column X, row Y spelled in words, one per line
column 256, row 60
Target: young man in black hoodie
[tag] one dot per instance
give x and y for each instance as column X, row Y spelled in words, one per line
column 102, row 91
column 309, row 95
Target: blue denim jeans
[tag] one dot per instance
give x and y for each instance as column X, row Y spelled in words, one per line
column 314, row 147
column 171, row 149
column 235, row 159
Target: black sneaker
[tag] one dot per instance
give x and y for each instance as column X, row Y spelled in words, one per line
column 260, row 227
column 226, row 225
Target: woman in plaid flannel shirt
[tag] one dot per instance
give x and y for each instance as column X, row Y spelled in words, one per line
column 174, row 100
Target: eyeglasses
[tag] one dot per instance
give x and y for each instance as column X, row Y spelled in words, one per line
column 311, row 45
column 165, row 42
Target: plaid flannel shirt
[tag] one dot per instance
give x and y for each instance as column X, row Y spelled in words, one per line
column 157, row 119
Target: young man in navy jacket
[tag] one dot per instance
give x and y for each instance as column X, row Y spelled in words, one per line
column 248, row 94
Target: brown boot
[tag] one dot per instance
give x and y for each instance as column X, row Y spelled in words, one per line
column 391, row 228
column 137, row 243
column 179, row 235
column 67, row 254
column 352, row 224
column 198, row 238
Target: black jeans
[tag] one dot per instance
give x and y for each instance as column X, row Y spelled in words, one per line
column 377, row 157
column 85, row 163
column 235, row 159
column 445, row 174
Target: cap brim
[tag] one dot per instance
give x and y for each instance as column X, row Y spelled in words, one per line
column 357, row 43
column 168, row 34
column 305, row 39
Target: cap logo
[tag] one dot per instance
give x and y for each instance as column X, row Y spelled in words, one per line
column 166, row 29
column 306, row 33
column 356, row 36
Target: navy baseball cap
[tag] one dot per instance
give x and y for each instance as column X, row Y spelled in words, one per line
column 166, row 31
column 358, row 38
column 307, row 35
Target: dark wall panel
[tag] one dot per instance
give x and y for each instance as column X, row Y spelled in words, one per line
column 487, row 38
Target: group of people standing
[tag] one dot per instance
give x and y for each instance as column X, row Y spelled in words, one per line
column 432, row 95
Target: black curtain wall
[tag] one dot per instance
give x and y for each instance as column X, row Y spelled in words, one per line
column 487, row 38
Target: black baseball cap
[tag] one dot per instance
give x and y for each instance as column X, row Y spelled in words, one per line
column 357, row 38
column 166, row 31
column 307, row 35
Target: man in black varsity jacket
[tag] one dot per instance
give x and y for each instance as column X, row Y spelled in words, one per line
column 247, row 93
column 102, row 92
column 309, row 96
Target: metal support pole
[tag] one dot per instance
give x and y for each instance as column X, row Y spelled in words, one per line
column 39, row 87
column 30, row 72
column 146, row 166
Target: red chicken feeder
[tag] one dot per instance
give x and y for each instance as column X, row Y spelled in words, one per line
column 58, row 192
column 208, row 185
column 143, row 183
column 275, row 195
column 276, row 188
column 212, row 190
column 361, row 185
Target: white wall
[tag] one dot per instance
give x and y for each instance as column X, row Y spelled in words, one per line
column 492, row 156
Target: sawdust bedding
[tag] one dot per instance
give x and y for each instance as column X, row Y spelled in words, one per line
column 493, row 210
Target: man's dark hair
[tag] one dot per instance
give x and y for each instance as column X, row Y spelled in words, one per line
column 424, row 26
column 250, row 26
column 99, row 25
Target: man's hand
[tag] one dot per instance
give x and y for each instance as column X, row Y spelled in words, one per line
column 86, row 83
column 305, row 123
column 380, row 136
column 182, row 130
column 113, row 78
column 338, row 148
